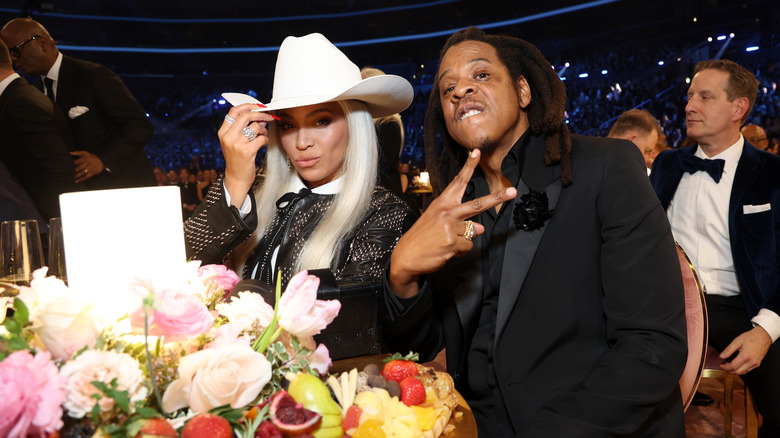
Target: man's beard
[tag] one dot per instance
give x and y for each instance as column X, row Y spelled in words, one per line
column 486, row 146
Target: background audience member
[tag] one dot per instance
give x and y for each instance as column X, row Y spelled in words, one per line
column 390, row 135
column 318, row 206
column 721, row 197
column 756, row 136
column 109, row 127
column 160, row 177
column 31, row 147
column 189, row 192
column 586, row 301
column 639, row 127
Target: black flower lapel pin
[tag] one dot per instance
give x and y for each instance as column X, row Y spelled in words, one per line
column 532, row 211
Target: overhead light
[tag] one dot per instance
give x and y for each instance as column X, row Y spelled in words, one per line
column 566, row 65
column 221, row 101
column 709, row 39
column 695, row 19
column 687, row 80
column 751, row 48
column 731, row 35
column 722, row 37
column 660, row 63
column 604, row 72
column 583, row 75
column 563, row 78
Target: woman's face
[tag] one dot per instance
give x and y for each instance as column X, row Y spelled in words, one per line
column 315, row 137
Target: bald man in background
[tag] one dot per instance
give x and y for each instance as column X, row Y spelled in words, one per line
column 639, row 127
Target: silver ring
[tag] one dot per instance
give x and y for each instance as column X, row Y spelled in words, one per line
column 248, row 133
column 469, row 233
column 229, row 119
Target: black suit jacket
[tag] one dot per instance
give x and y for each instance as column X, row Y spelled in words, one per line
column 754, row 231
column 32, row 148
column 590, row 338
column 115, row 128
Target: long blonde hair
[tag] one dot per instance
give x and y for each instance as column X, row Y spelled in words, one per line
column 349, row 205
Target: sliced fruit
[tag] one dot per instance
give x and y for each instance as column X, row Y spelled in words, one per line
column 369, row 429
column 313, row 394
column 352, row 419
column 291, row 417
column 426, row 417
column 267, row 430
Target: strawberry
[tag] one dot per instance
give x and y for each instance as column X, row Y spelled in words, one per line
column 352, row 419
column 207, row 425
column 399, row 369
column 153, row 427
column 412, row 391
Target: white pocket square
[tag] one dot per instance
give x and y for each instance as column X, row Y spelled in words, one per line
column 750, row 209
column 77, row 111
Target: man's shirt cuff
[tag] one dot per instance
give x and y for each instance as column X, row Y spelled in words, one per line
column 769, row 321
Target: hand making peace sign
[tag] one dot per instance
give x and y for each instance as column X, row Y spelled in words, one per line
column 442, row 231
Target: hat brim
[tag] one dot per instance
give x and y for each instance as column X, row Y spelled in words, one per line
column 383, row 95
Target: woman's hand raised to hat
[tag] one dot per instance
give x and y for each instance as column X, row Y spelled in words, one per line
column 240, row 149
column 442, row 232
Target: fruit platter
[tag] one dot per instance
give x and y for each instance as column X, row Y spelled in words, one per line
column 190, row 357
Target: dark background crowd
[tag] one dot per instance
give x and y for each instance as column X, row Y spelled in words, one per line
column 177, row 57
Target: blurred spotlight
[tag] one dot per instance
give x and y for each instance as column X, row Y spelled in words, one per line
column 221, row 101
column 604, row 72
column 563, row 78
column 583, row 75
column 709, row 39
column 722, row 37
column 660, row 63
column 695, row 19
column 731, row 35
column 687, row 80
column 751, row 48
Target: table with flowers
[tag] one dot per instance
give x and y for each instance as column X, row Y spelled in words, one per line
column 176, row 349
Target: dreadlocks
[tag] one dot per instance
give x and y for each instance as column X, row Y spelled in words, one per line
column 545, row 112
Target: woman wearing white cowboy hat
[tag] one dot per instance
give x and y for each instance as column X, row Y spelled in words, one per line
column 319, row 205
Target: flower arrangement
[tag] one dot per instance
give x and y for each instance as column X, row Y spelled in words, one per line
column 186, row 347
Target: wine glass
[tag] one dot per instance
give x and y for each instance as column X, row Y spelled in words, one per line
column 21, row 252
column 56, row 260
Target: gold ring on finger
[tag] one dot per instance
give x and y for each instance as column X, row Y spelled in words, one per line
column 469, row 233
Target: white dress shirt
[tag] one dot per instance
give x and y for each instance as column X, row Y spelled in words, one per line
column 703, row 231
column 54, row 75
column 7, row 81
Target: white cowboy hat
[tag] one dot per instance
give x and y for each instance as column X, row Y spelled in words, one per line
column 311, row 70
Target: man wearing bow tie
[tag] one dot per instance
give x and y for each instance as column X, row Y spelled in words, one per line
column 723, row 202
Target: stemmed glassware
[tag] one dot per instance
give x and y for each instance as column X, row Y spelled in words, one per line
column 21, row 253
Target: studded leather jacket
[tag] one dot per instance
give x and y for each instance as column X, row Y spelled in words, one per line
column 215, row 229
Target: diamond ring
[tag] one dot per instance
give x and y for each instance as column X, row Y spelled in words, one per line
column 248, row 133
column 229, row 119
column 469, row 233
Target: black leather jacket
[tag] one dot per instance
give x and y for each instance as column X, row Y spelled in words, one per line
column 215, row 229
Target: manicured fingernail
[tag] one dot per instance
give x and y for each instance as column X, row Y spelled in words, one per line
column 473, row 153
column 260, row 105
column 274, row 117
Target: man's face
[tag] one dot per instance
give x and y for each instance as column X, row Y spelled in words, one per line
column 756, row 136
column 480, row 102
column 646, row 143
column 32, row 58
column 709, row 115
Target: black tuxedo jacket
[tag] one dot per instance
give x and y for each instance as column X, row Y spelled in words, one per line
column 32, row 148
column 754, row 220
column 115, row 128
column 590, row 333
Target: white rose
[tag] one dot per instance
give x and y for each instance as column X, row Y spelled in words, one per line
column 232, row 374
column 246, row 308
column 63, row 321
column 102, row 366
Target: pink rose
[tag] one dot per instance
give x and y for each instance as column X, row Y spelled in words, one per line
column 300, row 312
column 176, row 315
column 224, row 277
column 31, row 395
column 232, row 374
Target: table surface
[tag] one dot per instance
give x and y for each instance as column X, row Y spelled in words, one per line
column 464, row 427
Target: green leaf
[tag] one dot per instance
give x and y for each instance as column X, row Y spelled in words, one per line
column 95, row 412
column 122, row 399
column 12, row 326
column 21, row 314
column 412, row 356
column 147, row 413
column 17, row 343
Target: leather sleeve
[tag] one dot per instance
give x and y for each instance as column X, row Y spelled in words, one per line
column 216, row 228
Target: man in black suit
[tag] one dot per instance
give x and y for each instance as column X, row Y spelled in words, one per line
column 564, row 316
column 109, row 127
column 723, row 202
column 31, row 147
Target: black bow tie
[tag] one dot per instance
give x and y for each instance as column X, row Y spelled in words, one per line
column 692, row 164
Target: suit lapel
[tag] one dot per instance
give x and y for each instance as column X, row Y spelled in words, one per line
column 672, row 178
column 748, row 169
column 65, row 88
column 521, row 245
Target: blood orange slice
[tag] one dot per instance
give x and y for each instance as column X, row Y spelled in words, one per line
column 290, row 417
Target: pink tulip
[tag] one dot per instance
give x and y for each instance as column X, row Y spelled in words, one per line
column 176, row 315
column 300, row 312
column 224, row 277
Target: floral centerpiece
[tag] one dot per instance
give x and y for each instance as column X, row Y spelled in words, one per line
column 182, row 348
